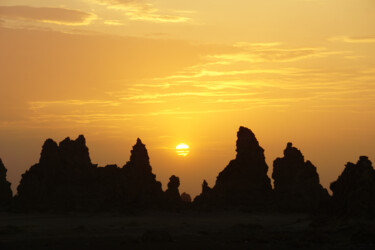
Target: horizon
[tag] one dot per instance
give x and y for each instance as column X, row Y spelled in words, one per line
column 211, row 180
column 175, row 72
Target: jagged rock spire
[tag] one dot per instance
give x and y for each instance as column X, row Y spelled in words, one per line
column 244, row 181
column 354, row 190
column 296, row 183
column 139, row 154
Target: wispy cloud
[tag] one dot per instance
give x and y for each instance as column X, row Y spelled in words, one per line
column 37, row 105
column 346, row 39
column 113, row 22
column 139, row 10
column 60, row 16
column 271, row 53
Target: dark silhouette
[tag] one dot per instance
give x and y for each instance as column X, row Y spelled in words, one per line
column 5, row 191
column 204, row 199
column 296, row 183
column 185, row 197
column 61, row 181
column 172, row 194
column 141, row 186
column 66, row 180
column 244, row 182
column 354, row 191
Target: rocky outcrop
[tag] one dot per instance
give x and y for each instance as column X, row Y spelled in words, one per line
column 354, row 190
column 5, row 190
column 141, row 187
column 244, row 182
column 205, row 198
column 185, row 197
column 66, row 180
column 172, row 194
column 296, row 183
column 62, row 180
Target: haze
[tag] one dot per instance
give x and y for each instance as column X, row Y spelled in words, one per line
column 188, row 71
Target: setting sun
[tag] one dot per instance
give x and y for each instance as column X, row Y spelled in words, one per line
column 182, row 149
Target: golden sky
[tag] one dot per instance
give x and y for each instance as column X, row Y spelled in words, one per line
column 173, row 71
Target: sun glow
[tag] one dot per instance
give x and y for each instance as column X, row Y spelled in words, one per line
column 182, row 149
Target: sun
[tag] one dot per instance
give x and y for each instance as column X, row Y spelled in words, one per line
column 182, row 149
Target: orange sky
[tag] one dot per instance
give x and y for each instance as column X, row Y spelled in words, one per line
column 189, row 72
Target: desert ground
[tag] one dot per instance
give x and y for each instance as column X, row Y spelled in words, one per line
column 182, row 230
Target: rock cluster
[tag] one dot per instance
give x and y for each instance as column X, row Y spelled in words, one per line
column 66, row 180
column 296, row 183
column 62, row 180
column 244, row 182
column 354, row 190
column 5, row 191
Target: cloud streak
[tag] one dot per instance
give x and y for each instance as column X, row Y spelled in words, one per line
column 346, row 39
column 60, row 16
column 138, row 10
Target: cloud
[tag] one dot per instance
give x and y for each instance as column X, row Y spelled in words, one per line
column 256, row 53
column 346, row 39
column 113, row 22
column 47, row 15
column 139, row 10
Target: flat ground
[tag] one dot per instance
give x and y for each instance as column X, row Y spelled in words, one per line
column 185, row 230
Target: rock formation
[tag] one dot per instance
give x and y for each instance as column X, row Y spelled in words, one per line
column 62, row 179
column 66, row 180
column 142, row 188
column 205, row 198
column 354, row 190
column 244, row 182
column 5, row 191
column 296, row 183
column 172, row 194
column 185, row 197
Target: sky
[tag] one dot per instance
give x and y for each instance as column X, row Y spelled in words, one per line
column 192, row 72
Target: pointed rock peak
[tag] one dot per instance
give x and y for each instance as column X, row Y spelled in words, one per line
column 204, row 184
column 64, row 142
column 139, row 142
column 139, row 153
column 205, row 187
column 49, row 150
column 246, row 142
column 77, row 144
column 293, row 153
column 81, row 140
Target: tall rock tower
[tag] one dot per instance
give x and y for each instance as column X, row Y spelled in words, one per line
column 244, row 182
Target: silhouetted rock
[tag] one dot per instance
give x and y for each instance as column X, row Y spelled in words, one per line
column 5, row 191
column 141, row 189
column 205, row 197
column 185, row 197
column 244, row 182
column 66, row 180
column 296, row 183
column 172, row 194
column 354, row 190
column 62, row 179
